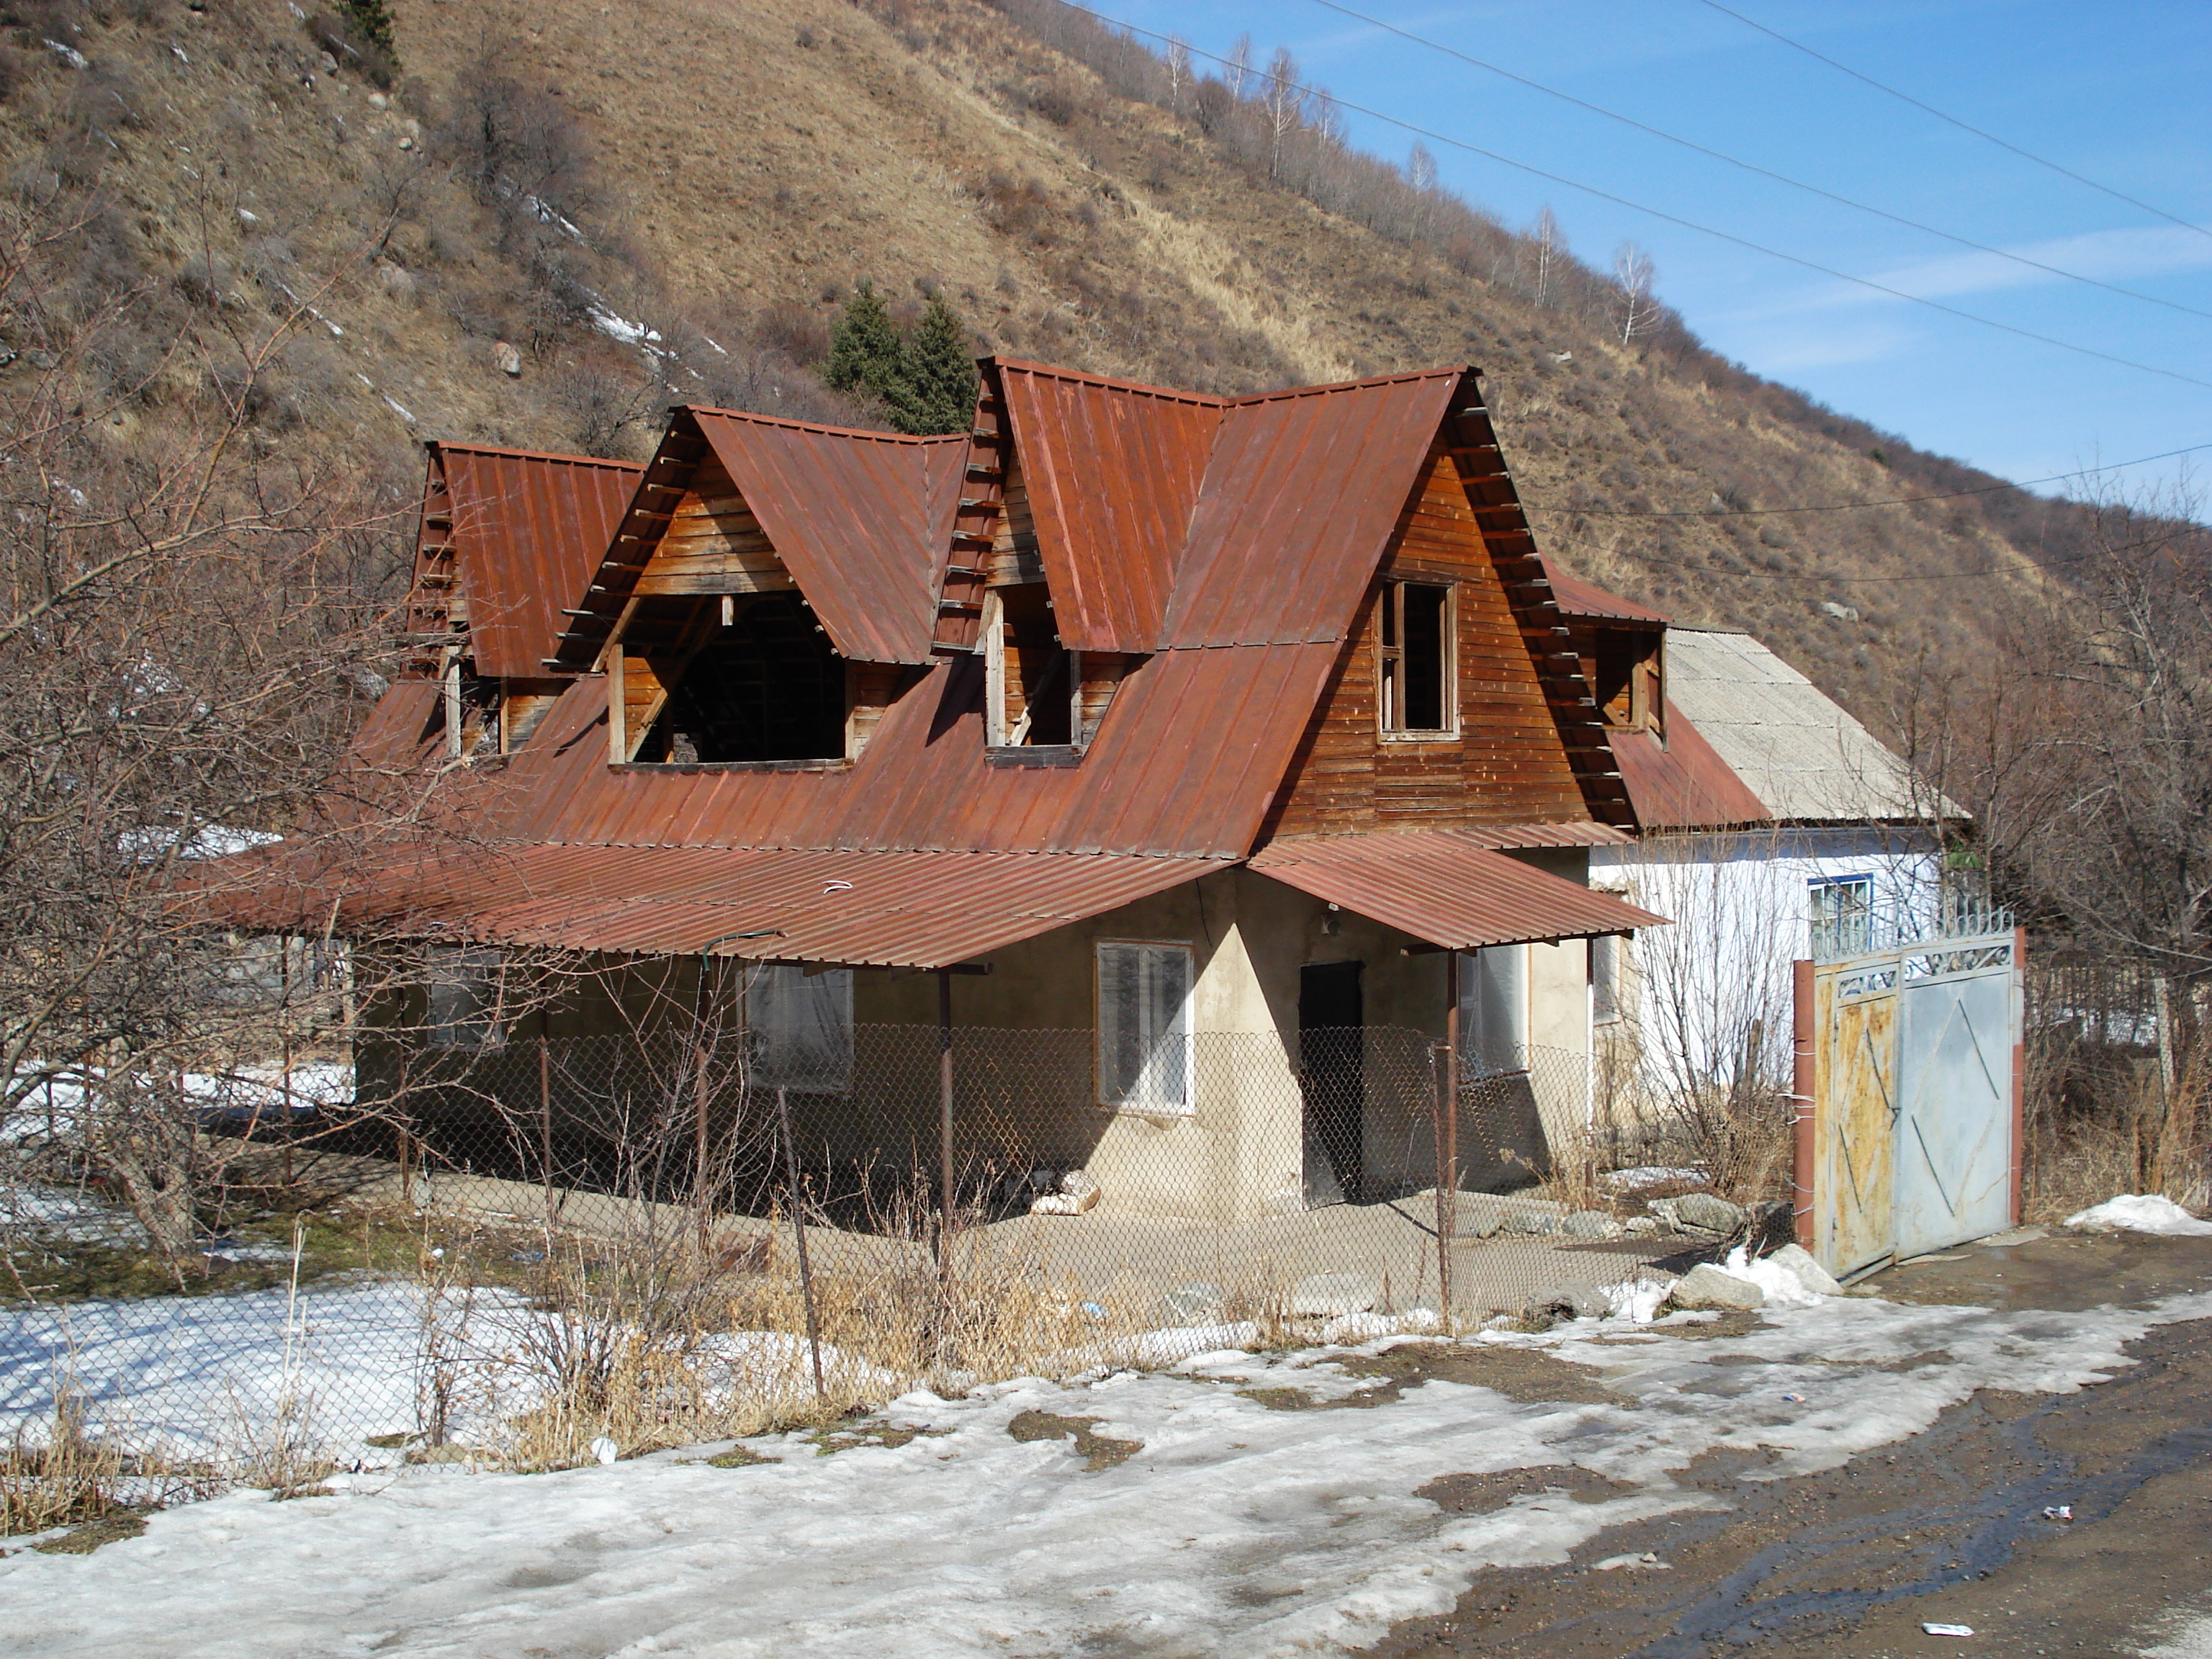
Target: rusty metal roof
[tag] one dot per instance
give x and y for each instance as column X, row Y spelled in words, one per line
column 861, row 520
column 1113, row 469
column 1301, row 495
column 1443, row 886
column 527, row 530
column 1684, row 784
column 1576, row 598
column 901, row 909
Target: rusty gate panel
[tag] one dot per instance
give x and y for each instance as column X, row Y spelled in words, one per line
column 1913, row 1111
column 1854, row 1114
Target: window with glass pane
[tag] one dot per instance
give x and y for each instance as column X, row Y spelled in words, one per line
column 1842, row 915
column 798, row 1028
column 1143, row 1028
column 464, row 998
column 1605, row 978
column 1493, row 1001
column 1415, row 682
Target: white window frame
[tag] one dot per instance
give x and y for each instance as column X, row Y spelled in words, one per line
column 466, row 987
column 779, row 1053
column 1167, row 1085
column 1850, row 928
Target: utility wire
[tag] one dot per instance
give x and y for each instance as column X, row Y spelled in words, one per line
column 1894, row 501
column 1930, row 109
column 1754, row 167
column 1674, row 218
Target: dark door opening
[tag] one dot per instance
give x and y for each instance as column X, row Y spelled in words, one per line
column 1331, row 1013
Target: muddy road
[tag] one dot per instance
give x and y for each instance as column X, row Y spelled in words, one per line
column 1949, row 1526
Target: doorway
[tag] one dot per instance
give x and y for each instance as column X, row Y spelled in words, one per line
column 1332, row 1070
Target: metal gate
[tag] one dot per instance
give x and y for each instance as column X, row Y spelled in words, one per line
column 1908, row 1097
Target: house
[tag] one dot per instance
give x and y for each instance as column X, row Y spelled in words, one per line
column 1773, row 827
column 1183, row 748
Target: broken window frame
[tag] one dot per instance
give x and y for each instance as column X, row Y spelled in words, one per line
column 1151, row 1071
column 1064, row 678
column 1839, row 914
column 703, row 634
column 1493, row 1011
column 1393, row 671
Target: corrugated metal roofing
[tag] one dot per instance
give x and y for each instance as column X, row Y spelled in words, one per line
column 1683, row 784
column 903, row 909
column 1113, row 471
column 1444, row 887
column 528, row 530
column 1301, row 495
column 1576, row 598
column 1805, row 757
column 860, row 519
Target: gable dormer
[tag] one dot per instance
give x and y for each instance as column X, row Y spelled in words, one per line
column 1457, row 698
column 1074, row 512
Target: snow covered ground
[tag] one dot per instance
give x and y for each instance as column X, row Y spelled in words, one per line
column 1233, row 1528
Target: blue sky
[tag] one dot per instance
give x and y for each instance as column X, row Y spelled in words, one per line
column 2115, row 91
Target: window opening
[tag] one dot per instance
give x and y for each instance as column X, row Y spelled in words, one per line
column 1842, row 915
column 766, row 686
column 1035, row 683
column 1493, row 1009
column 466, row 987
column 1144, row 1029
column 1605, row 978
column 798, row 1028
column 1416, row 690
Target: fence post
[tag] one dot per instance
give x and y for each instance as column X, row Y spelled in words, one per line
column 799, row 1234
column 1448, row 1139
column 945, row 1122
column 284, row 1020
column 1802, row 1080
column 545, row 1115
column 2018, row 1069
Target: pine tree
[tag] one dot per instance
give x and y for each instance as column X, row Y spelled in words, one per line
column 937, row 393
column 371, row 20
column 864, row 351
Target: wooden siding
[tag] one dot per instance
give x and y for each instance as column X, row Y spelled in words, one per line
column 1507, row 765
column 713, row 544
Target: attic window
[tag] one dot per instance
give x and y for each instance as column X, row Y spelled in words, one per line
column 1034, row 683
column 1624, row 673
column 765, row 686
column 1415, row 676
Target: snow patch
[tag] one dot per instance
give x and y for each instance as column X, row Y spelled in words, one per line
column 2141, row 1212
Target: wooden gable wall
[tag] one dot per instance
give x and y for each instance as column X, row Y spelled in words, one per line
column 712, row 542
column 1508, row 764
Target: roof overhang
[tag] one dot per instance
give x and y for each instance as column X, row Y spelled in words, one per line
column 927, row 909
column 1446, row 888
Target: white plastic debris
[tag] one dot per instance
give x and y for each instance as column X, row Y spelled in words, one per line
column 1648, row 1561
column 606, row 1449
column 1948, row 1630
column 2142, row 1212
column 2059, row 1512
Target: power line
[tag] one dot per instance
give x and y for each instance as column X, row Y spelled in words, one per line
column 2002, row 143
column 1895, row 500
column 1676, row 219
column 1754, row 167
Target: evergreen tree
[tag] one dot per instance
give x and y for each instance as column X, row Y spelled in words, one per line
column 937, row 393
column 371, row 20
column 864, row 351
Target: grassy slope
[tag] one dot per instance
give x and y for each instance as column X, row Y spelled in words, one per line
column 758, row 156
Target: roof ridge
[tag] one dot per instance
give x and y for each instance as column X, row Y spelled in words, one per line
column 1084, row 377
column 1455, row 371
column 818, row 427
column 449, row 445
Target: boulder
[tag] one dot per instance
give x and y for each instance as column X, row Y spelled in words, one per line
column 1566, row 1302
column 1590, row 1224
column 1197, row 1302
column 1705, row 1287
column 1708, row 1213
column 509, row 359
column 1328, row 1296
column 1808, row 1273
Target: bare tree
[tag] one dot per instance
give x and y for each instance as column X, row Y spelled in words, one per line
column 1551, row 248
column 1179, row 74
column 1237, row 69
column 1283, row 100
column 1633, row 273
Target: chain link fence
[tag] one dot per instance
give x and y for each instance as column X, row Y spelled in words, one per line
column 534, row 1248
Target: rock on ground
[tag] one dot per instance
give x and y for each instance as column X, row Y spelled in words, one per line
column 1705, row 1287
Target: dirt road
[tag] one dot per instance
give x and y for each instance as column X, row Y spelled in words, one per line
column 1948, row 1527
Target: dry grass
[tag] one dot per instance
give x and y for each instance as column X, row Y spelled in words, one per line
column 60, row 1477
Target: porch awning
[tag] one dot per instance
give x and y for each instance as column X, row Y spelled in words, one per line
column 1447, row 888
column 900, row 910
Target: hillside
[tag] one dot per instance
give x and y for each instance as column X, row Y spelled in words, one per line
column 541, row 182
